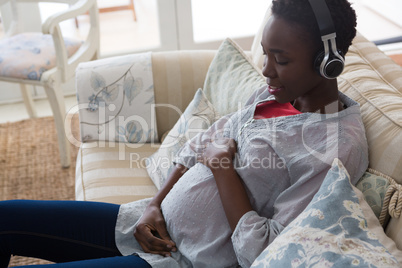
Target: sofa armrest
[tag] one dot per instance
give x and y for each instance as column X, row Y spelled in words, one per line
column 116, row 99
column 177, row 76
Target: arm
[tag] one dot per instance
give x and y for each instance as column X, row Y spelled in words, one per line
column 151, row 231
column 250, row 230
column 218, row 156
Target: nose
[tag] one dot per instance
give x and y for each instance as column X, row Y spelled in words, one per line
column 268, row 69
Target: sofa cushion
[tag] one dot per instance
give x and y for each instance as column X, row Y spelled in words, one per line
column 113, row 172
column 394, row 227
column 336, row 229
column 199, row 116
column 392, row 210
column 232, row 77
column 177, row 76
column 375, row 81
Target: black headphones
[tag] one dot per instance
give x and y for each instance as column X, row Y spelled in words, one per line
column 329, row 63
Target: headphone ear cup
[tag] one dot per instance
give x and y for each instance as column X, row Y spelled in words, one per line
column 319, row 57
column 332, row 68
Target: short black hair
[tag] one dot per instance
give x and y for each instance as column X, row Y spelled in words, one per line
column 300, row 13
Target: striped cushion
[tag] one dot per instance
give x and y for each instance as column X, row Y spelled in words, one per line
column 101, row 176
column 177, row 76
column 375, row 81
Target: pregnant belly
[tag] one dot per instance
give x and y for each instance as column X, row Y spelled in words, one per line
column 195, row 217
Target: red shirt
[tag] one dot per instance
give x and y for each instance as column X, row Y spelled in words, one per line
column 273, row 108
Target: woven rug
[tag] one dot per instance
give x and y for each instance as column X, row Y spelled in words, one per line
column 30, row 165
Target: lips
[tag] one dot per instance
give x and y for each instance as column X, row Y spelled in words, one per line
column 274, row 90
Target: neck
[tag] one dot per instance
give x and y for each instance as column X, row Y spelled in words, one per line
column 324, row 100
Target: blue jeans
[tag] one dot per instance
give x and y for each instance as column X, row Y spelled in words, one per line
column 70, row 233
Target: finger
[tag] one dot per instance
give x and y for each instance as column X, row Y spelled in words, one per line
column 164, row 234
column 149, row 242
column 148, row 250
column 160, row 246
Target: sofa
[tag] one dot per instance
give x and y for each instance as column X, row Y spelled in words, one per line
column 137, row 110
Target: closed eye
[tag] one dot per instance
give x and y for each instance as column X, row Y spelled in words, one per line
column 281, row 62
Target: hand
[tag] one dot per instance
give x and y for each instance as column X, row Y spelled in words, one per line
column 151, row 233
column 218, row 154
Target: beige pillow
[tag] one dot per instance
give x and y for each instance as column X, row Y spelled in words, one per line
column 256, row 50
column 231, row 77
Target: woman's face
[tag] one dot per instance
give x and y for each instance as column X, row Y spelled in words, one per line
column 288, row 64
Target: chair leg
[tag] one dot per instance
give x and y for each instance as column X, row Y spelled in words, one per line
column 27, row 97
column 56, row 100
column 133, row 8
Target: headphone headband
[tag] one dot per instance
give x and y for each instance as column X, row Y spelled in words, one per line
column 323, row 17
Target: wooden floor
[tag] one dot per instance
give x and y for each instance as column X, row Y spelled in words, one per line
column 397, row 58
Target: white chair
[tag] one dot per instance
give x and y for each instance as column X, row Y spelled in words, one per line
column 112, row 8
column 47, row 59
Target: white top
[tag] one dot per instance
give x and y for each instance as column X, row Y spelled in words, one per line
column 282, row 162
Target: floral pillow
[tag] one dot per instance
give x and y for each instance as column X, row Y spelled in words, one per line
column 116, row 100
column 333, row 231
column 198, row 116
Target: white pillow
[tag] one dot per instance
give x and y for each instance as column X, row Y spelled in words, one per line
column 198, row 116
